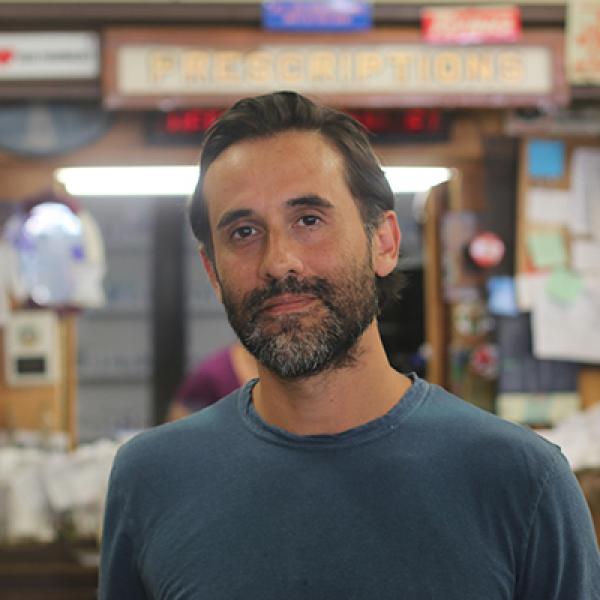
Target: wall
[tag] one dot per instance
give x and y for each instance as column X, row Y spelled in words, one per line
column 124, row 144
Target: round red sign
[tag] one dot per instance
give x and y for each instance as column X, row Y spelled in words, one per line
column 486, row 249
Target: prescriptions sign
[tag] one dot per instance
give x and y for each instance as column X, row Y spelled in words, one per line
column 172, row 68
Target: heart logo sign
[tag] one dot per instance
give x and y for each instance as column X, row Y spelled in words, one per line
column 6, row 55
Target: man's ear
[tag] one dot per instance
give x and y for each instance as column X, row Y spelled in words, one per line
column 386, row 244
column 209, row 267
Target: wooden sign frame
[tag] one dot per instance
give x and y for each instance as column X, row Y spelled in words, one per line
column 384, row 67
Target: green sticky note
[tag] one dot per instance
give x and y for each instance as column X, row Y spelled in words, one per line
column 547, row 249
column 564, row 286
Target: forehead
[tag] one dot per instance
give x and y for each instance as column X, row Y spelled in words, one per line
column 283, row 165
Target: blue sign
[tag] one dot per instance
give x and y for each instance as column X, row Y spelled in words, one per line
column 333, row 15
column 502, row 296
column 546, row 159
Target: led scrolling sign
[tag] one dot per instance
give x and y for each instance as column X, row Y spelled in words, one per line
column 412, row 125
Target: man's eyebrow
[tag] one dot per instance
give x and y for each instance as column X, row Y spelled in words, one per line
column 233, row 215
column 242, row 213
column 310, row 200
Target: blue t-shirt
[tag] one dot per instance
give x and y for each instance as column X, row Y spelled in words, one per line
column 436, row 500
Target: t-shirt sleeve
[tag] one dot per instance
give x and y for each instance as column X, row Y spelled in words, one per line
column 561, row 557
column 119, row 577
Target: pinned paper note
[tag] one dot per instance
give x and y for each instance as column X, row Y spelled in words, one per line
column 545, row 205
column 547, row 249
column 567, row 331
column 546, row 159
column 502, row 296
column 586, row 256
column 528, row 287
column 584, row 217
column 564, row 286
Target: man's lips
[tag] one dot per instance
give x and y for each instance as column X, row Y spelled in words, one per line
column 287, row 303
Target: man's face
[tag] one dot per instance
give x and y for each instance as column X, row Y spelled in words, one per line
column 292, row 260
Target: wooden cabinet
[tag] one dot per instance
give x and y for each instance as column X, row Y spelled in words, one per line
column 47, row 572
column 48, row 408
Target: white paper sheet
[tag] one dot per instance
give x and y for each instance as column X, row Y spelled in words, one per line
column 568, row 331
column 585, row 256
column 584, row 217
column 548, row 206
column 528, row 287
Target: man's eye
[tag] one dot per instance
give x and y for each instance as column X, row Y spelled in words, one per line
column 310, row 220
column 243, row 232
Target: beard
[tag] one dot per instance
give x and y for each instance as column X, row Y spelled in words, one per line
column 299, row 345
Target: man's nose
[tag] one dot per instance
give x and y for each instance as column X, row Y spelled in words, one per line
column 281, row 257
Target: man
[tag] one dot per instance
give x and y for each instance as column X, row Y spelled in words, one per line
column 332, row 476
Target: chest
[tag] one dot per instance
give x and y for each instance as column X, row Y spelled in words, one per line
column 308, row 536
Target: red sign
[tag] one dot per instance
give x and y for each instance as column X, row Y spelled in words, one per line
column 471, row 25
column 486, row 250
column 191, row 121
column 384, row 125
column 6, row 56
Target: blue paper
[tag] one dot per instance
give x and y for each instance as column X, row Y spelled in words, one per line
column 502, row 298
column 331, row 15
column 546, row 159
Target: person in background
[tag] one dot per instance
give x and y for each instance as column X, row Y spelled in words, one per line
column 217, row 375
column 332, row 476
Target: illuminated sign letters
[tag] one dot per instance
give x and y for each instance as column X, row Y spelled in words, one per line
column 360, row 68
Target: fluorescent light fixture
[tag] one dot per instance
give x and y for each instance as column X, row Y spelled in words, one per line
column 129, row 181
column 181, row 180
column 415, row 179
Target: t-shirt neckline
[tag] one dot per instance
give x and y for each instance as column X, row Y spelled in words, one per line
column 367, row 432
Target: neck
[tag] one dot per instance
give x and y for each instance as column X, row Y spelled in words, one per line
column 336, row 399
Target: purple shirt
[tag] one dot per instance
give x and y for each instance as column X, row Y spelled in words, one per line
column 210, row 381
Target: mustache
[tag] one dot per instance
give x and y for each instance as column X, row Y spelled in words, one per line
column 314, row 286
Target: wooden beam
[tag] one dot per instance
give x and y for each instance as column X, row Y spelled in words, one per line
column 588, row 384
column 67, row 13
column 436, row 325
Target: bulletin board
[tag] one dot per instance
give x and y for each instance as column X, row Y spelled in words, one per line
column 558, row 253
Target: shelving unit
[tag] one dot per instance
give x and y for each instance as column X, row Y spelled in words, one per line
column 160, row 319
column 115, row 342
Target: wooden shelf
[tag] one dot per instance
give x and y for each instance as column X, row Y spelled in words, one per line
column 45, row 572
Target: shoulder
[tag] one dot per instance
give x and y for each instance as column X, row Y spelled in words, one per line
column 481, row 440
column 499, row 470
column 172, row 446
